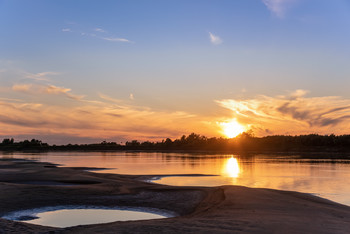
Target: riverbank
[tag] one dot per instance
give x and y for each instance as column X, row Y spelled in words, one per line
column 27, row 185
column 243, row 143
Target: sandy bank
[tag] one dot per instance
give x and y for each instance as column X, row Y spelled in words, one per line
column 224, row 209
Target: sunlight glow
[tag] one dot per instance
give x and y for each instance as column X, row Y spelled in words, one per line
column 232, row 167
column 232, row 129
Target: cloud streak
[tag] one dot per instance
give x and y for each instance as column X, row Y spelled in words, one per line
column 40, row 76
column 100, row 30
column 96, row 33
column 35, row 89
column 115, row 39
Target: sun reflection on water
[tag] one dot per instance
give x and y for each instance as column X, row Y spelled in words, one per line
column 232, row 167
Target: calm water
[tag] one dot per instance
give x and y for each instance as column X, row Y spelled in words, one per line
column 71, row 217
column 322, row 177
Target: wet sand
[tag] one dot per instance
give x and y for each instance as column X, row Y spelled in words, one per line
column 223, row 209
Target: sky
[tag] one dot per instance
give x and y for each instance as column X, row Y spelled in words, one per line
column 85, row 71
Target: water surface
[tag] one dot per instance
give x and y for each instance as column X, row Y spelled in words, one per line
column 328, row 178
column 62, row 218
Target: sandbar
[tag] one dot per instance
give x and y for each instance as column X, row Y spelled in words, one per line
column 26, row 184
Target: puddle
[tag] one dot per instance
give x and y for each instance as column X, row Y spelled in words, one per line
column 67, row 216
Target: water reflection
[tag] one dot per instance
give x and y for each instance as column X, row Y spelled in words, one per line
column 232, row 167
column 326, row 177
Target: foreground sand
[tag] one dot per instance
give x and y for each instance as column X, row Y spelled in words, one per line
column 224, row 209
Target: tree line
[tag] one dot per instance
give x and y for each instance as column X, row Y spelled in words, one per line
column 195, row 142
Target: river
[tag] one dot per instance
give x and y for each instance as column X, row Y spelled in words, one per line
column 327, row 178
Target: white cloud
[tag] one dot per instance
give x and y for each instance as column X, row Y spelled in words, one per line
column 214, row 39
column 100, row 30
column 107, row 36
column 115, row 39
column 278, row 7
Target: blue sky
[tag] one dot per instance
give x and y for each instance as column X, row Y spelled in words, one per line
column 169, row 57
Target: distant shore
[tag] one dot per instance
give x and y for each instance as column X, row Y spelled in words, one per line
column 334, row 153
column 27, row 184
column 245, row 142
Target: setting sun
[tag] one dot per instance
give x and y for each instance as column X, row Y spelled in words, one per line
column 232, row 129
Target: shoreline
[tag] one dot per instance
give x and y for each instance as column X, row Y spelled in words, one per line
column 219, row 209
column 326, row 155
column 311, row 151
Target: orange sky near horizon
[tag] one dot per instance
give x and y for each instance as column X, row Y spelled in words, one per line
column 109, row 119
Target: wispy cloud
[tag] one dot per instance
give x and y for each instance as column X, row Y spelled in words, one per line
column 109, row 99
column 96, row 33
column 292, row 114
column 45, row 89
column 278, row 7
column 115, row 39
column 66, row 30
column 41, row 76
column 216, row 40
column 100, row 30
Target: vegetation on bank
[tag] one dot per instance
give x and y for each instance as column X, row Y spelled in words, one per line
column 244, row 142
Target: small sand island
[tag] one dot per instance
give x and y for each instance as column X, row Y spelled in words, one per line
column 225, row 209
